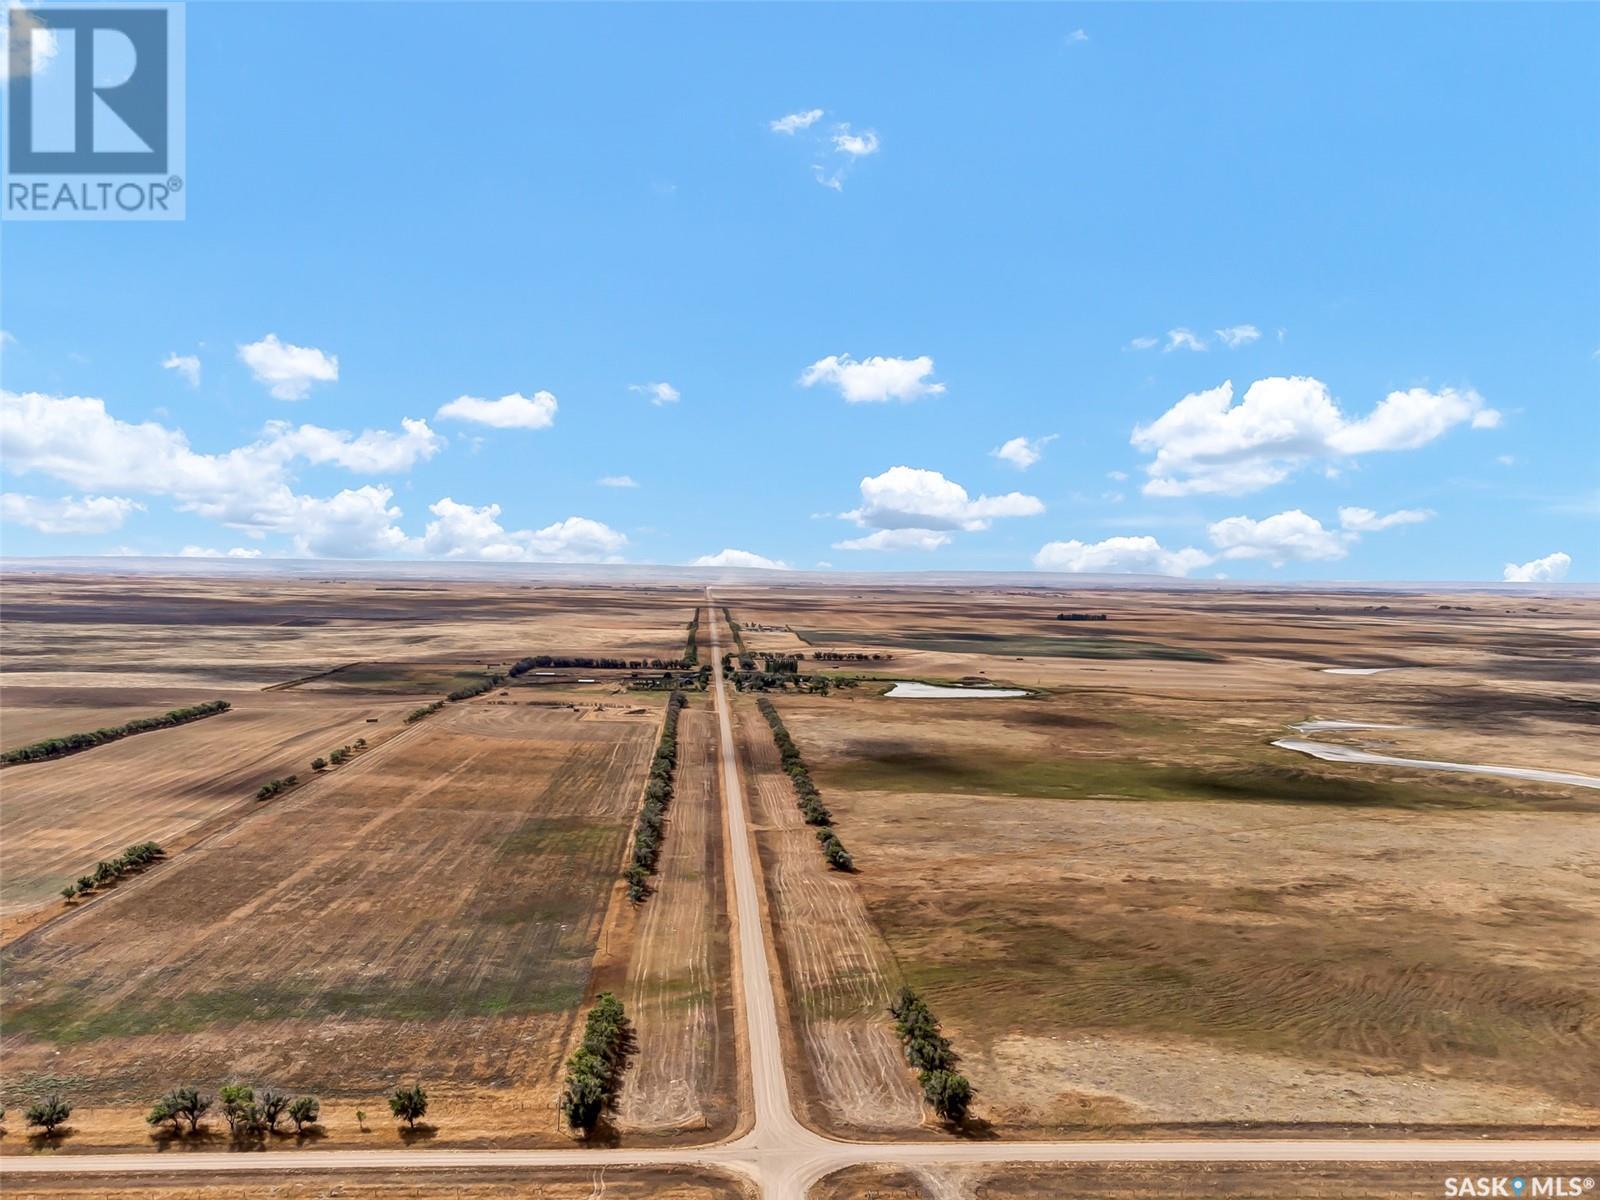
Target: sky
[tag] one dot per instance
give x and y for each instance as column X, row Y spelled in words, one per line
column 1283, row 292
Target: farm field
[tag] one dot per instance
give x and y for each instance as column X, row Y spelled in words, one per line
column 1193, row 1181
column 61, row 816
column 554, row 1183
column 677, row 990
column 838, row 972
column 440, row 923
column 1130, row 910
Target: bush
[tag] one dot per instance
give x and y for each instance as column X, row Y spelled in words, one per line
column 180, row 1104
column 319, row 763
column 807, row 798
column 73, row 742
column 304, row 1111
column 948, row 1093
column 488, row 683
column 928, row 1050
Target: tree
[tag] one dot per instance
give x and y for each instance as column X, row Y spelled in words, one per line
column 238, row 1106
column 409, row 1104
column 303, row 1112
column 949, row 1093
column 273, row 1105
column 69, row 893
column 161, row 1112
column 361, row 1120
column 184, row 1103
column 49, row 1113
column 319, row 763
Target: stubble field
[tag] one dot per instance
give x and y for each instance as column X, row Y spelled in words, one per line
column 1130, row 910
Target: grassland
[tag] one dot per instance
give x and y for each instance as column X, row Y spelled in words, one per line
column 1025, row 644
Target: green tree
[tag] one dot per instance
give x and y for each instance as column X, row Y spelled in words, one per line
column 186, row 1103
column 238, row 1106
column 409, row 1104
column 273, row 1106
column 49, row 1113
column 949, row 1093
column 304, row 1111
column 161, row 1112
column 319, row 763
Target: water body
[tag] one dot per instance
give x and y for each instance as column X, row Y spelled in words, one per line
column 1332, row 753
column 1328, row 726
column 929, row 691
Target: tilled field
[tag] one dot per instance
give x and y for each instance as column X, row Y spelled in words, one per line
column 430, row 911
column 62, row 815
column 677, row 993
column 838, row 972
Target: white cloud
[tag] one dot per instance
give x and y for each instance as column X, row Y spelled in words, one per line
column 513, row 411
column 1182, row 339
column 1144, row 343
column 874, row 380
column 856, row 145
column 1119, row 476
column 1364, row 520
column 1552, row 568
column 1207, row 444
column 207, row 552
column 617, row 481
column 288, row 370
column 659, row 393
column 464, row 531
column 74, row 439
column 796, row 121
column 373, row 451
column 1119, row 555
column 1235, row 336
column 739, row 558
column 69, row 514
column 1077, row 36
column 913, row 498
column 187, row 365
column 896, row 539
column 1279, row 538
column 1023, row 452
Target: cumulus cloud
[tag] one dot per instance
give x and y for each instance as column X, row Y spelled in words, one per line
column 739, row 558
column 68, row 514
column 1364, row 520
column 1144, row 343
column 373, row 451
column 896, row 539
column 1119, row 555
column 617, row 481
column 1207, row 444
column 1552, row 568
column 1235, row 336
column 187, row 365
column 913, row 498
column 874, row 380
column 75, row 440
column 288, row 371
column 465, row 531
column 659, row 393
column 1077, row 36
column 856, row 145
column 1182, row 339
column 1279, row 538
column 513, row 411
column 795, row 121
column 1022, row 452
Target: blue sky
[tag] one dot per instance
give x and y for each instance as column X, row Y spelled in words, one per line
column 1035, row 222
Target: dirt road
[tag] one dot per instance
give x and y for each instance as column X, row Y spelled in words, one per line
column 779, row 1153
